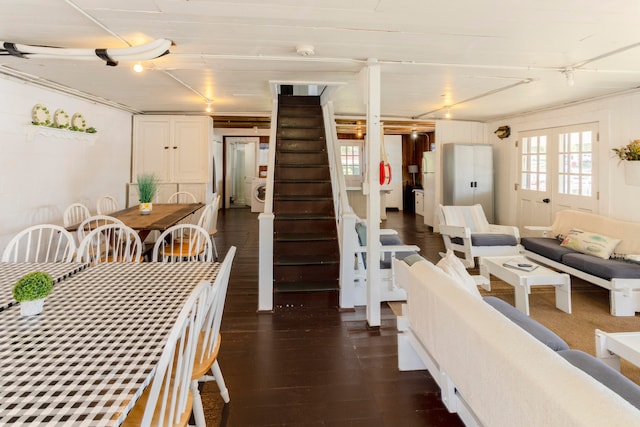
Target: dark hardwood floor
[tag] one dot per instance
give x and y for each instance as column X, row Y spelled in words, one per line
column 314, row 367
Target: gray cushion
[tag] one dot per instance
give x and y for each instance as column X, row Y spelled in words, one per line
column 413, row 258
column 544, row 335
column 489, row 239
column 361, row 229
column 547, row 247
column 390, row 240
column 608, row 376
column 604, row 268
column 385, row 263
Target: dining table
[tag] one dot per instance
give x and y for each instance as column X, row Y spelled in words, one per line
column 10, row 272
column 89, row 356
column 161, row 217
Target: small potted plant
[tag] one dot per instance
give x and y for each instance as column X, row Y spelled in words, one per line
column 630, row 155
column 147, row 188
column 30, row 291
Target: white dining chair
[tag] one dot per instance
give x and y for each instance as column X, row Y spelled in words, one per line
column 106, row 205
column 75, row 214
column 41, row 243
column 110, row 243
column 183, row 242
column 206, row 360
column 168, row 401
column 182, row 197
column 208, row 220
column 94, row 222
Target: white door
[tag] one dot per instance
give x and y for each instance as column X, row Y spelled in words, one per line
column 534, row 190
column 393, row 145
column 557, row 171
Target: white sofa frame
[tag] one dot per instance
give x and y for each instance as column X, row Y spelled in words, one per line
column 489, row 370
column 624, row 294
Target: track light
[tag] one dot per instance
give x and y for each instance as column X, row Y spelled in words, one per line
column 209, row 108
column 414, row 134
column 448, row 113
column 137, row 67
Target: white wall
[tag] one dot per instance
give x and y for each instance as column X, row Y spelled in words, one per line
column 42, row 176
column 618, row 125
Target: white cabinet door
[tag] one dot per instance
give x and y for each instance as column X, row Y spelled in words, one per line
column 152, row 148
column 190, row 149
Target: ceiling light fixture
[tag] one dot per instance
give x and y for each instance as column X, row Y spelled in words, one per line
column 414, row 134
column 209, row 102
column 138, row 67
column 448, row 113
column 110, row 56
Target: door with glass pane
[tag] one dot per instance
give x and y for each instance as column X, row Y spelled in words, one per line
column 534, row 190
column 557, row 171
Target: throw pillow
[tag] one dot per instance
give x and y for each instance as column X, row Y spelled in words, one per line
column 590, row 243
column 451, row 265
column 361, row 229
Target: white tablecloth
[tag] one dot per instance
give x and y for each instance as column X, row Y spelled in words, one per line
column 88, row 357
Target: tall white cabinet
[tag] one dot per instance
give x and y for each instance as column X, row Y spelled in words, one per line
column 177, row 149
column 468, row 176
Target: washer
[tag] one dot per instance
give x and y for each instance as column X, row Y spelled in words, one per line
column 258, row 194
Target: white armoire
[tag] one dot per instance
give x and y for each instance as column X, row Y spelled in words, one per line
column 468, row 176
column 177, row 150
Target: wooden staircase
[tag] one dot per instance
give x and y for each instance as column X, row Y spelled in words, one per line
column 306, row 255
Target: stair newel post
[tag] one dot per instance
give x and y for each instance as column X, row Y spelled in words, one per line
column 348, row 240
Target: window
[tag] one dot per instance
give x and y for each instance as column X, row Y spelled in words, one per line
column 575, row 163
column 352, row 161
column 534, row 163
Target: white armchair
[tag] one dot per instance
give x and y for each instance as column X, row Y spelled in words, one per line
column 465, row 230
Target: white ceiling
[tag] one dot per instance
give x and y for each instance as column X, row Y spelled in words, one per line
column 486, row 59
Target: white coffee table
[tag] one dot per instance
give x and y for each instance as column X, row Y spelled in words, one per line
column 522, row 281
column 610, row 347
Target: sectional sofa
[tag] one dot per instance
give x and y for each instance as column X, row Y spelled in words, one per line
column 494, row 371
column 610, row 261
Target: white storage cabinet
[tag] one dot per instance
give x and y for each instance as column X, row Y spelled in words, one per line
column 468, row 176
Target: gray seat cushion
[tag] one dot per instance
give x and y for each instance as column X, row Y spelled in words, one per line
column 413, row 258
column 540, row 332
column 489, row 239
column 608, row 376
column 546, row 246
column 604, row 268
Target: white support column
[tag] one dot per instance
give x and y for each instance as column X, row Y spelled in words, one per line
column 372, row 91
column 265, row 263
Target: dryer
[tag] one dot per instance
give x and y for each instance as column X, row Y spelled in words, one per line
column 258, row 194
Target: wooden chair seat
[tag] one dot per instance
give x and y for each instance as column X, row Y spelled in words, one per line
column 134, row 418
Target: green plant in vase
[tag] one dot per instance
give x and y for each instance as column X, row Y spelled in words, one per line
column 31, row 290
column 147, row 189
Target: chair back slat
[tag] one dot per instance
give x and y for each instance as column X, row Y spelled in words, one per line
column 41, row 243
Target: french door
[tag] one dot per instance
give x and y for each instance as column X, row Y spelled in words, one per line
column 557, row 170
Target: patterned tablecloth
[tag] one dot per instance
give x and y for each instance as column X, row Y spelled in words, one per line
column 10, row 272
column 89, row 356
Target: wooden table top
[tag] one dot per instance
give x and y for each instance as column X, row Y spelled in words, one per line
column 163, row 215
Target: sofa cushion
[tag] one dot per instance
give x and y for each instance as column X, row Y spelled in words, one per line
column 604, row 268
column 540, row 332
column 413, row 258
column 489, row 239
column 545, row 246
column 595, row 244
column 608, row 376
column 452, row 265
column 390, row 240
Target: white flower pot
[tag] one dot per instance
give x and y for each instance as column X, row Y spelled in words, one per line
column 632, row 172
column 145, row 208
column 31, row 308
